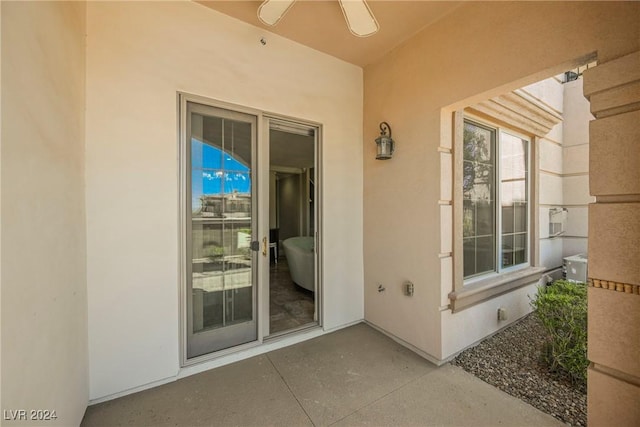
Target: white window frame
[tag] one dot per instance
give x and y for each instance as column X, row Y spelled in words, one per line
column 498, row 208
column 474, row 290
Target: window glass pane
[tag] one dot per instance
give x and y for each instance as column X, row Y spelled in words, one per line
column 520, row 248
column 478, row 179
column 467, row 179
column 468, row 218
column 221, row 222
column 514, row 249
column 485, row 254
column 513, row 191
column 513, row 199
column 507, row 251
column 211, row 156
column 479, row 254
column 485, row 218
column 520, row 217
column 237, row 155
column 478, row 143
column 507, row 219
column 469, row 246
column 479, row 206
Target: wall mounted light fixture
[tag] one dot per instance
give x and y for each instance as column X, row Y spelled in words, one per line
column 384, row 143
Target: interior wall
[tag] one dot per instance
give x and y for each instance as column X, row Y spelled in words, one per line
column 139, row 55
column 289, row 206
column 478, row 51
column 273, row 200
column 44, row 298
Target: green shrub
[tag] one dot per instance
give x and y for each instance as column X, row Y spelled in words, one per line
column 213, row 251
column 562, row 309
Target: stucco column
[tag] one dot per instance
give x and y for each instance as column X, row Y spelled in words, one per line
column 613, row 89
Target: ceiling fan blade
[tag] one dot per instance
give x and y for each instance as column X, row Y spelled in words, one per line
column 360, row 20
column 271, row 11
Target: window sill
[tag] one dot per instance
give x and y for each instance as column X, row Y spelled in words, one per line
column 490, row 287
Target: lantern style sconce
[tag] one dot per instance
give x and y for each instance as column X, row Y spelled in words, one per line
column 385, row 144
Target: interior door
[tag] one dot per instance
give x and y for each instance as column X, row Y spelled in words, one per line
column 221, row 228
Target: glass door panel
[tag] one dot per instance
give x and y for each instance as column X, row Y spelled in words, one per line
column 221, row 285
column 293, row 285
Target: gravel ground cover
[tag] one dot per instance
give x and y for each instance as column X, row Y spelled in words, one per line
column 511, row 361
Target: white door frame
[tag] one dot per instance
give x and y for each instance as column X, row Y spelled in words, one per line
column 262, row 232
column 268, row 118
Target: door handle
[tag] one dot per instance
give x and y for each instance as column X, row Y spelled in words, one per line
column 264, row 246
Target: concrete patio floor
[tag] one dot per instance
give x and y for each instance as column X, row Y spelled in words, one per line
column 353, row 377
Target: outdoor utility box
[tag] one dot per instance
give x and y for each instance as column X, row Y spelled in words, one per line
column 574, row 268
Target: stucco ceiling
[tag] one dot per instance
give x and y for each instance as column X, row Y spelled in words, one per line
column 321, row 25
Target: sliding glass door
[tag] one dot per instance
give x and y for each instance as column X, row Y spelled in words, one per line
column 293, row 270
column 221, row 235
column 250, row 263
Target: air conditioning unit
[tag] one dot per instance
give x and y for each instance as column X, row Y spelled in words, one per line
column 574, row 268
column 557, row 221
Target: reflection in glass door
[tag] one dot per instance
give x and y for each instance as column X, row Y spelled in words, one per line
column 220, row 221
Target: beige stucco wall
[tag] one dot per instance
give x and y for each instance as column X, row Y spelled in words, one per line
column 139, row 55
column 550, row 172
column 564, row 171
column 614, row 232
column 479, row 51
column 575, row 168
column 563, row 158
column 551, row 159
column 0, row 204
column 44, row 299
